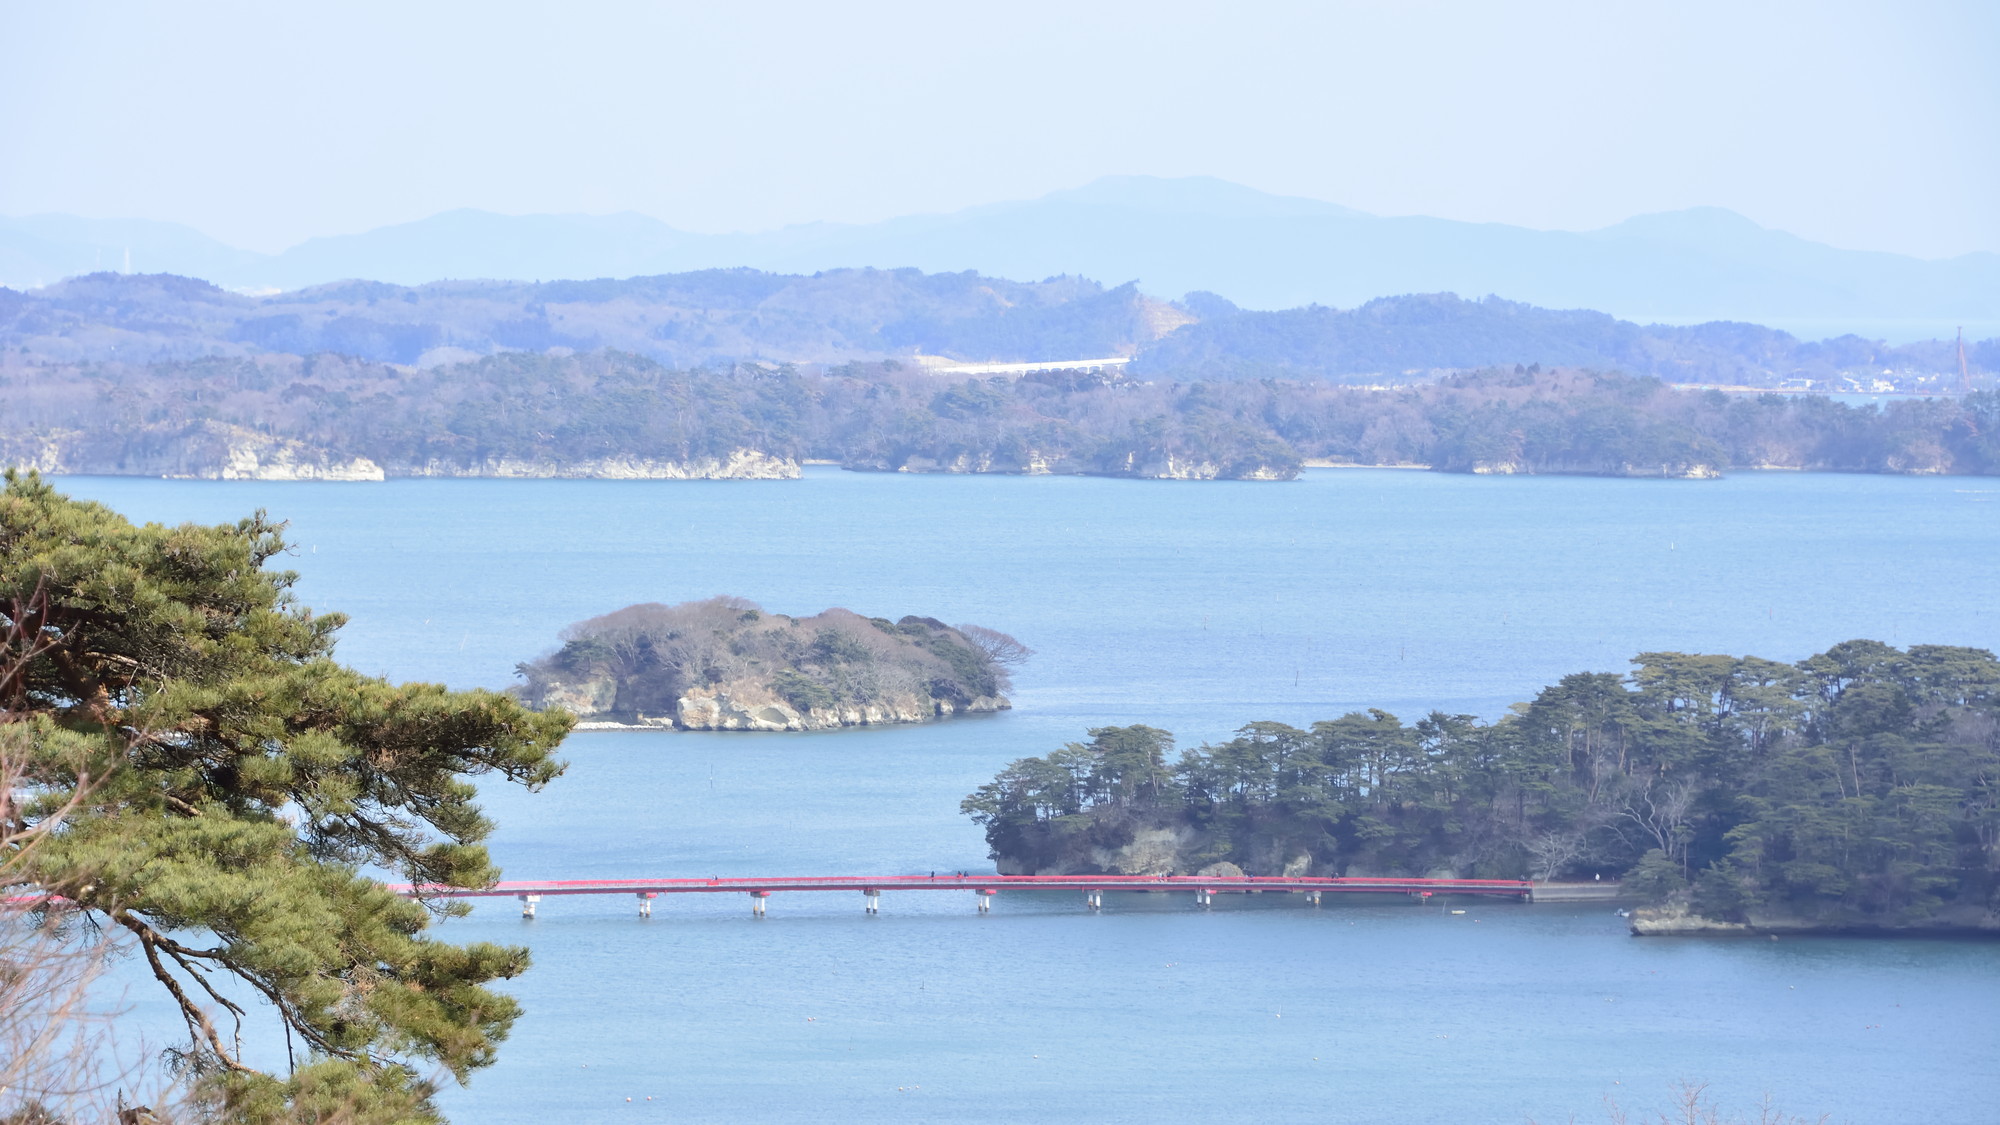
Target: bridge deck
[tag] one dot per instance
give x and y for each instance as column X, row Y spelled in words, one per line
column 954, row 882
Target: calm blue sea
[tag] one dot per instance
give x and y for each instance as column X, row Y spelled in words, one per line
column 1196, row 607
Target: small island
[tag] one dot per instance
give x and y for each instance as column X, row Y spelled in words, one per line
column 726, row 664
column 1850, row 792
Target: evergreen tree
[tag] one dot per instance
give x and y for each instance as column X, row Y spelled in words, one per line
column 1855, row 788
column 237, row 787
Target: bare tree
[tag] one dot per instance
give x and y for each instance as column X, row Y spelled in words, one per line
column 999, row 647
column 59, row 1058
column 1554, row 851
column 1661, row 808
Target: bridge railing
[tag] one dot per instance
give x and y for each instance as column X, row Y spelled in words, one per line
column 1204, row 887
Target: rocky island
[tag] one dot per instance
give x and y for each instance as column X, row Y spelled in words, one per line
column 1850, row 792
column 726, row 664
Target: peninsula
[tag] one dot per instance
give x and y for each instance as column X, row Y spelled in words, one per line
column 1851, row 791
column 725, row 664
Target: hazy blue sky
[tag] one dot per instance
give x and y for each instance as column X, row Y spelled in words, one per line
column 1872, row 126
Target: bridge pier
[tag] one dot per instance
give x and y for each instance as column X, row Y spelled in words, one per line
column 1419, row 890
column 757, row 903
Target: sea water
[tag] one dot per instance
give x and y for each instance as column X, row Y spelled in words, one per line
column 1192, row 606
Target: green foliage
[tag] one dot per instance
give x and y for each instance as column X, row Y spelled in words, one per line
column 836, row 646
column 1035, row 808
column 583, row 654
column 801, row 691
column 1855, row 787
column 974, row 672
column 235, row 781
column 1721, row 893
column 1656, row 877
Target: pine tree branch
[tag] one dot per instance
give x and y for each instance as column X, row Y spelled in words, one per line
column 198, row 1024
column 200, row 976
column 295, row 1022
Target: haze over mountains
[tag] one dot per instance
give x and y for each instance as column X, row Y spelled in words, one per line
column 1172, row 236
column 719, row 318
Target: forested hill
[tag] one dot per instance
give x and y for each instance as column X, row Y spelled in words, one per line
column 713, row 317
column 1426, row 333
column 718, row 317
column 1852, row 789
column 608, row 414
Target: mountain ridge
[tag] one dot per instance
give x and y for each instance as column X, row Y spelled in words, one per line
column 1174, row 236
column 719, row 318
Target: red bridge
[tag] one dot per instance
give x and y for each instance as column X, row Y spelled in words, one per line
column 983, row 887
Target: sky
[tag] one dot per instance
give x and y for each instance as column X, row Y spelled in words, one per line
column 1867, row 126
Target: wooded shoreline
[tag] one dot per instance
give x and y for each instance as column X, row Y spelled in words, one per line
column 608, row 415
column 1847, row 792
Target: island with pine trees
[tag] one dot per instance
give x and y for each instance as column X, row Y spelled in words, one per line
column 1849, row 792
column 726, row 664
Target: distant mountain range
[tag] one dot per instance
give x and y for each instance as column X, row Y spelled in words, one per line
column 1172, row 236
column 718, row 318
column 1424, row 333
column 709, row 318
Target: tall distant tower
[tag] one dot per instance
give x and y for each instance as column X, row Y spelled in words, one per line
column 128, row 259
column 1964, row 374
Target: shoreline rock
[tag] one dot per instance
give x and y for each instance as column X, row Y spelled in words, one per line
column 1659, row 921
column 1623, row 470
column 219, row 451
column 751, row 707
column 741, row 464
column 195, row 451
column 782, row 717
column 1678, row 921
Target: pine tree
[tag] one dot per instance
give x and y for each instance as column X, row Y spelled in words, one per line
column 236, row 785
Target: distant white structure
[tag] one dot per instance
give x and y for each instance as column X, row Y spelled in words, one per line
column 938, row 365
